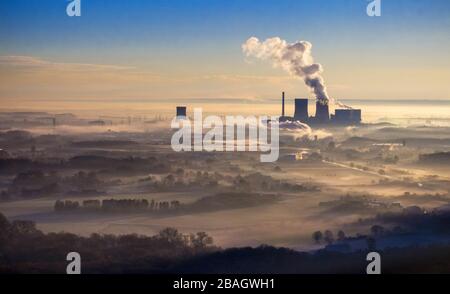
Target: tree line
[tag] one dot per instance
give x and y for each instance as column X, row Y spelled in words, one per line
column 117, row 205
column 25, row 249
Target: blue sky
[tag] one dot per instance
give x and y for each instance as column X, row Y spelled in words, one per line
column 204, row 36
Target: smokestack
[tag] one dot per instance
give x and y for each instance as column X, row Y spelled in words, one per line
column 282, row 104
column 322, row 112
column 301, row 109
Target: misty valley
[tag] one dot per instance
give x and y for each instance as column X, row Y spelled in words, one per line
column 334, row 194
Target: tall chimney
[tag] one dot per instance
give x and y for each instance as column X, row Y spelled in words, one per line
column 282, row 104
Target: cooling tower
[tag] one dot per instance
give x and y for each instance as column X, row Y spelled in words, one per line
column 181, row 111
column 301, row 109
column 322, row 112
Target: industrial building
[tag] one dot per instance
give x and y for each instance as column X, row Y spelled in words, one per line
column 347, row 115
column 322, row 115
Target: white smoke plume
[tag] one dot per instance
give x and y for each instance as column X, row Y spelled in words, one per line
column 294, row 58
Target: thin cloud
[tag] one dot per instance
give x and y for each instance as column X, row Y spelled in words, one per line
column 18, row 61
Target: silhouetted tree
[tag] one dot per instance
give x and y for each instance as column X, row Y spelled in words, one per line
column 175, row 204
column 201, row 240
column 317, row 236
column 5, row 228
column 377, row 230
column 341, row 235
column 23, row 227
column 171, row 235
column 91, row 204
column 59, row 205
column 328, row 236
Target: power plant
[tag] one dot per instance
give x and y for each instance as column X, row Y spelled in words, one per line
column 341, row 117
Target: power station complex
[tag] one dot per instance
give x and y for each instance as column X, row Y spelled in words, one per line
column 343, row 116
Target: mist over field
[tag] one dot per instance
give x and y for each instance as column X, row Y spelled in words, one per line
column 345, row 175
column 224, row 137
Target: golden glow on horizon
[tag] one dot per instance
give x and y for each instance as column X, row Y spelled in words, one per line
column 30, row 79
